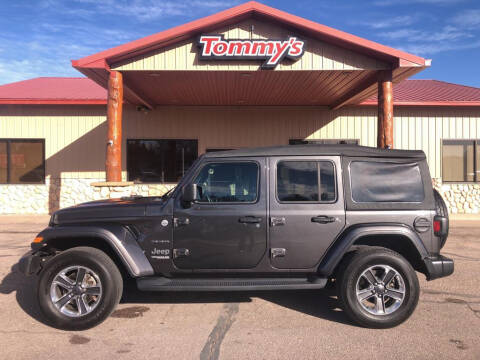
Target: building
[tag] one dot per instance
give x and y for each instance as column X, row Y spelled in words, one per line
column 248, row 76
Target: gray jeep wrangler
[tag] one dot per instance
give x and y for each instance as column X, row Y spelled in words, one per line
column 290, row 217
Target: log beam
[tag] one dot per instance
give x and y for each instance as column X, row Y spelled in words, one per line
column 385, row 110
column 113, row 163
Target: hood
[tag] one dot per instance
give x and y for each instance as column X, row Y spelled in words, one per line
column 127, row 207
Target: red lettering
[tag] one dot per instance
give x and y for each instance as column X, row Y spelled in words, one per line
column 271, row 50
column 280, row 48
column 207, row 42
column 220, row 48
column 239, row 48
column 263, row 48
column 296, row 48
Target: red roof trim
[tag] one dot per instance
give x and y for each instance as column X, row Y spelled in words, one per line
column 178, row 33
column 425, row 103
column 51, row 102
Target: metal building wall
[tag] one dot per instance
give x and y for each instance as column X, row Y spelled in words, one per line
column 318, row 55
column 75, row 136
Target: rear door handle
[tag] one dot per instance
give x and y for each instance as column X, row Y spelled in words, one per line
column 323, row 219
column 250, row 220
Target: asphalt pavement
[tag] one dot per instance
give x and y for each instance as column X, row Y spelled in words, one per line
column 248, row 325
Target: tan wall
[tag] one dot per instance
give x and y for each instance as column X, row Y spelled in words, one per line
column 424, row 128
column 75, row 136
column 75, row 140
column 318, row 55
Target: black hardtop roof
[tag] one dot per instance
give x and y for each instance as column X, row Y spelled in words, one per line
column 317, row 149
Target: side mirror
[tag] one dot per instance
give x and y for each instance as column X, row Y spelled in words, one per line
column 190, row 193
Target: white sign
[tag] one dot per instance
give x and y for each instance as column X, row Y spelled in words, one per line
column 215, row 47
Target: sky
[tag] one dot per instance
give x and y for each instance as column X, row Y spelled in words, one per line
column 40, row 37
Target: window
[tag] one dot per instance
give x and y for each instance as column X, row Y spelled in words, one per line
column 461, row 160
column 386, row 182
column 300, row 181
column 323, row 141
column 228, row 182
column 151, row 161
column 22, row 161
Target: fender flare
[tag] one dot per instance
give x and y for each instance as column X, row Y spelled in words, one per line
column 348, row 237
column 116, row 236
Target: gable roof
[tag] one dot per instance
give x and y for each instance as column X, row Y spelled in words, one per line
column 53, row 90
column 252, row 8
column 431, row 92
column 63, row 90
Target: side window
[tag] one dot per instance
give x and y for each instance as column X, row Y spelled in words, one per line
column 305, row 181
column 386, row 182
column 228, row 182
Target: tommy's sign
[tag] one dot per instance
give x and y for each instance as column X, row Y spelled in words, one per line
column 215, row 47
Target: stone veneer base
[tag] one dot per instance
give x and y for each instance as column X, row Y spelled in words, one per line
column 59, row 193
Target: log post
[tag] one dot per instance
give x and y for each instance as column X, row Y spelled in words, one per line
column 113, row 163
column 385, row 110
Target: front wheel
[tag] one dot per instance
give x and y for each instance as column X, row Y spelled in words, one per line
column 378, row 288
column 79, row 288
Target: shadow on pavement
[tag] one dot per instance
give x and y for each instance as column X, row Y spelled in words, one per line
column 322, row 304
column 26, row 291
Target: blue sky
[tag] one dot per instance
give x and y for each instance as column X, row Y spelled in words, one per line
column 40, row 37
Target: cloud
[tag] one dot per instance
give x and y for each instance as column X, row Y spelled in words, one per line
column 17, row 70
column 147, row 10
column 447, row 33
column 391, row 22
column 468, row 18
column 430, row 2
column 434, row 48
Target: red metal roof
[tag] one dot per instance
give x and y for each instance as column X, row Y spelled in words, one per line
column 431, row 93
column 251, row 8
column 53, row 90
column 60, row 90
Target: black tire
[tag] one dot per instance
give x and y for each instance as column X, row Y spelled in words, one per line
column 442, row 210
column 102, row 266
column 351, row 269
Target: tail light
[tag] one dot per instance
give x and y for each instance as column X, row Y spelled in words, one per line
column 440, row 226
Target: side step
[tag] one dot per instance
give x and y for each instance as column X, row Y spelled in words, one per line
column 228, row 284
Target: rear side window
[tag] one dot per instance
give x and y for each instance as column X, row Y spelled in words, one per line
column 386, row 182
column 305, row 181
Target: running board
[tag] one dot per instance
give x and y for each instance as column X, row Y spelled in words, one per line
column 228, row 284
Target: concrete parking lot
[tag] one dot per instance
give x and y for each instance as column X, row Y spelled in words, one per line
column 253, row 325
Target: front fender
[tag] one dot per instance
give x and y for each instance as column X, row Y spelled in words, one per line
column 117, row 236
column 344, row 242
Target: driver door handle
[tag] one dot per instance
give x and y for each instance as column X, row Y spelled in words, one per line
column 323, row 219
column 250, row 220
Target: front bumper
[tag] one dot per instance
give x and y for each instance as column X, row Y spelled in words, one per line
column 32, row 262
column 438, row 266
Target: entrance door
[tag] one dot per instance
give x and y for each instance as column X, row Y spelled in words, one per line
column 227, row 227
column 306, row 209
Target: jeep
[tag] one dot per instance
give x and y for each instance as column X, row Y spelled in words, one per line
column 360, row 219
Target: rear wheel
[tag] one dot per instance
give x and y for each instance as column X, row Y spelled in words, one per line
column 378, row 288
column 79, row 288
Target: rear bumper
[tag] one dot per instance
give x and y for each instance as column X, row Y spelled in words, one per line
column 438, row 266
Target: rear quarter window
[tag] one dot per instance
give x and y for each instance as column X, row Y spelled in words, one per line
column 373, row 181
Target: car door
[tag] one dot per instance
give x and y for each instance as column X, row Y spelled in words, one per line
column 306, row 209
column 227, row 227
